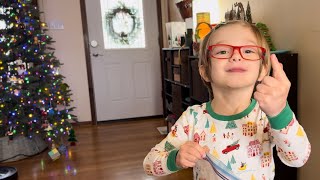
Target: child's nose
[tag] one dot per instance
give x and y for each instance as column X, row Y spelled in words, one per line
column 236, row 56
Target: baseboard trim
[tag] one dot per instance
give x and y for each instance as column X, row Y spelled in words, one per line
column 117, row 120
column 132, row 119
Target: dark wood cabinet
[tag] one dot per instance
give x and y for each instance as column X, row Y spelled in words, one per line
column 176, row 82
column 198, row 91
column 182, row 85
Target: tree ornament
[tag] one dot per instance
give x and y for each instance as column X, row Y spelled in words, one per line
column 36, row 40
column 72, row 137
column 10, row 133
column 22, row 26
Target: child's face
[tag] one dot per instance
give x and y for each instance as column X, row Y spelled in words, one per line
column 234, row 72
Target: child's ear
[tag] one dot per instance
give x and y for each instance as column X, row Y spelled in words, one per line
column 264, row 72
column 203, row 73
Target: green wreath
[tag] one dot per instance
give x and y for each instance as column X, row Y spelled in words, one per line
column 124, row 38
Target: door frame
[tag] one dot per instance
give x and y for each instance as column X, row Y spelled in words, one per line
column 88, row 57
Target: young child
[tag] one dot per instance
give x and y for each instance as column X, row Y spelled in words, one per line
column 244, row 119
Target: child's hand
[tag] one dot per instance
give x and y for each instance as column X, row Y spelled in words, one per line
column 273, row 91
column 189, row 154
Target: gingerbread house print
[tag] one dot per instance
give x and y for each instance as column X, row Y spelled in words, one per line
column 266, row 159
column 203, row 136
column 196, row 138
column 254, row 148
column 290, row 155
column 157, row 168
column 186, row 129
column 249, row 129
column 148, row 169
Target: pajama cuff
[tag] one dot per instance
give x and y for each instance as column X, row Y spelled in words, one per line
column 281, row 120
column 171, row 162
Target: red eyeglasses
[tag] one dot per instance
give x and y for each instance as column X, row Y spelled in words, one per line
column 247, row 52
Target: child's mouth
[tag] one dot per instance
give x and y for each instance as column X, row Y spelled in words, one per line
column 236, row 69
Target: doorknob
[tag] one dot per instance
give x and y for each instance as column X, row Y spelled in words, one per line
column 96, row 54
column 94, row 43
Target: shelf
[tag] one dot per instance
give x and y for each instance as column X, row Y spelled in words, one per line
column 185, row 103
column 175, row 48
column 177, row 83
column 279, row 51
column 176, row 66
column 193, row 57
column 195, row 99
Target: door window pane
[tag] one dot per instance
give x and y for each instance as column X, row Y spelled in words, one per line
column 123, row 25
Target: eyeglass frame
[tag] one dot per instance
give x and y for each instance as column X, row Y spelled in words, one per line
column 263, row 50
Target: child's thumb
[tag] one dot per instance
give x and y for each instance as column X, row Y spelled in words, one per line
column 206, row 148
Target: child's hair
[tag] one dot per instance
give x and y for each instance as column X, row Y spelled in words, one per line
column 204, row 57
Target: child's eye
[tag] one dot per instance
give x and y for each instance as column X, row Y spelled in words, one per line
column 248, row 51
column 222, row 52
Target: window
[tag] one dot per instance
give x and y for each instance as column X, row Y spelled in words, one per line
column 123, row 24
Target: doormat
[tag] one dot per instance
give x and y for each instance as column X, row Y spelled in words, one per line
column 163, row 130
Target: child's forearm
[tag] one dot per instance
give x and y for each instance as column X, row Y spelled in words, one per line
column 161, row 160
column 291, row 141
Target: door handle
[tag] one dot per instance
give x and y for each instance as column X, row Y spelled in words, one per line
column 96, row 54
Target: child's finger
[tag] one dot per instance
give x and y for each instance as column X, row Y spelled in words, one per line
column 264, row 89
column 206, row 149
column 192, row 158
column 200, row 150
column 277, row 67
column 187, row 164
column 275, row 64
column 259, row 97
column 194, row 151
column 270, row 81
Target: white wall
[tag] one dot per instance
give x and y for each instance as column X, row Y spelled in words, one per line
column 70, row 50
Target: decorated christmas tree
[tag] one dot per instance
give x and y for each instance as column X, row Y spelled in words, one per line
column 33, row 97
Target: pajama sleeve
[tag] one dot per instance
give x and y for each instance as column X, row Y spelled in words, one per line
column 291, row 141
column 161, row 160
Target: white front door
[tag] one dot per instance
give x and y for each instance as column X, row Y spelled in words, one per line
column 127, row 80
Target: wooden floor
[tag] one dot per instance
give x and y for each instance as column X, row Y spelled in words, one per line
column 111, row 150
